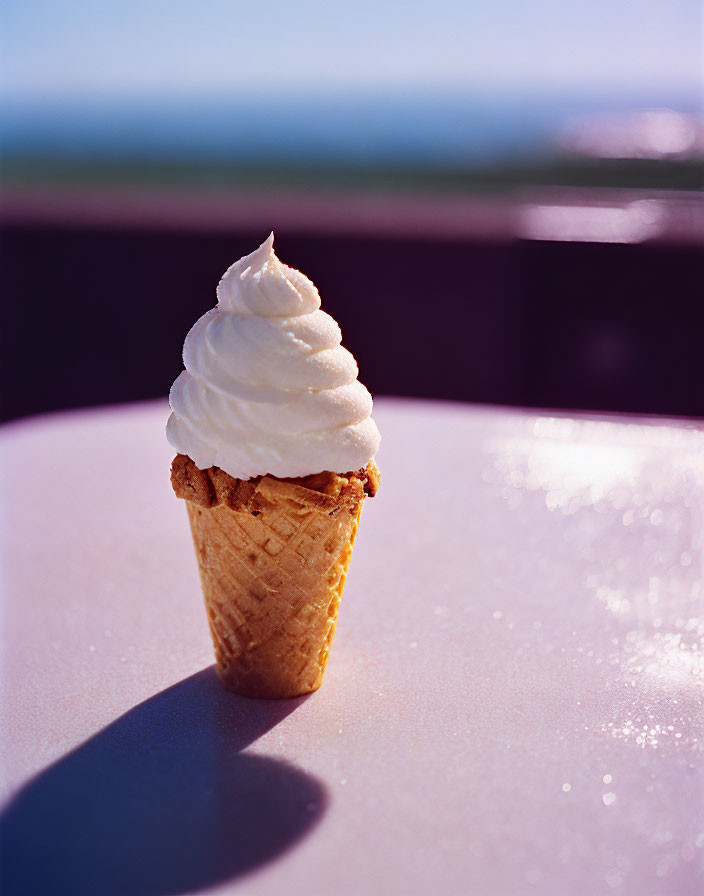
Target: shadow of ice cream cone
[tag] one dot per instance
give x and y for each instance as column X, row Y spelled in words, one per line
column 162, row 801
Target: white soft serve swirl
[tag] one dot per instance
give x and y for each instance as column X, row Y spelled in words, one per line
column 268, row 388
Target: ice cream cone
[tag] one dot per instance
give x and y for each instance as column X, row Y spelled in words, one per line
column 268, row 397
column 273, row 556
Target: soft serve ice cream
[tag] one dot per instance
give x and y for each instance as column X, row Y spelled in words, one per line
column 275, row 460
column 268, row 388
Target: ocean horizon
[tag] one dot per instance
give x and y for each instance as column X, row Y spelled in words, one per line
column 413, row 126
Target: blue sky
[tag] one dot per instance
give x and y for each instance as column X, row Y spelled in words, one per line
column 58, row 47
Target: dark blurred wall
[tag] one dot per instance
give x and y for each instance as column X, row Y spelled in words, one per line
column 98, row 314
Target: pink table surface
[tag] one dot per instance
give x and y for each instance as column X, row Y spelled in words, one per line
column 513, row 703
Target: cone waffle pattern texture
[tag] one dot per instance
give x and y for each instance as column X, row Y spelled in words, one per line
column 272, row 579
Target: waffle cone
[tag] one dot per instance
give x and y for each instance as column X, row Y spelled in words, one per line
column 273, row 565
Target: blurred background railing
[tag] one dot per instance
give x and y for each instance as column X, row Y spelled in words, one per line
column 497, row 205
